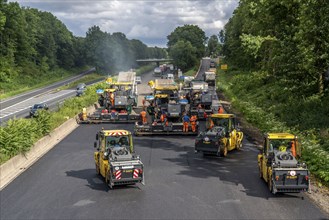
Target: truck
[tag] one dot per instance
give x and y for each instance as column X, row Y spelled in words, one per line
column 116, row 160
column 221, row 136
column 210, row 78
column 279, row 165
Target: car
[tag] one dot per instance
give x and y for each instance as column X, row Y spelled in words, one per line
column 81, row 89
column 36, row 107
column 138, row 80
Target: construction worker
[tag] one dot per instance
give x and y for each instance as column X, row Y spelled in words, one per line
column 143, row 116
column 186, row 120
column 129, row 109
column 111, row 95
column 163, row 118
column 209, row 124
column 220, row 110
column 193, row 120
column 151, row 111
column 113, row 114
column 293, row 148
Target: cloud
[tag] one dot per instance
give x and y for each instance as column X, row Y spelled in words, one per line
column 150, row 20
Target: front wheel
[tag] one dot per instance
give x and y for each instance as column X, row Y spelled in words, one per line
column 97, row 169
column 270, row 186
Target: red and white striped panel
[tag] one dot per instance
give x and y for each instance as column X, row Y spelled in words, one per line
column 117, row 133
column 118, row 175
column 136, row 172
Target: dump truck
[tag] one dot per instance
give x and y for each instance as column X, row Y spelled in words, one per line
column 116, row 160
column 279, row 166
column 210, row 78
column 169, row 110
column 116, row 103
column 221, row 135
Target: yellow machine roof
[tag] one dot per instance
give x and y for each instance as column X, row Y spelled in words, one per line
column 280, row 136
column 166, row 87
column 122, row 83
column 116, row 132
column 222, row 116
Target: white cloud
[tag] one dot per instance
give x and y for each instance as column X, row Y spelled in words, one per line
column 149, row 20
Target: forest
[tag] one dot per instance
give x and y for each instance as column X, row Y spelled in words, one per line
column 36, row 46
column 278, row 57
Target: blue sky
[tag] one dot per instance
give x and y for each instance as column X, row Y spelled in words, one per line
column 150, row 21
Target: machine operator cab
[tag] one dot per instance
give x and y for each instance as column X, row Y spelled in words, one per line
column 113, row 141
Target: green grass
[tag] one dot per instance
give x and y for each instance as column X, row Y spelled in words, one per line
column 85, row 79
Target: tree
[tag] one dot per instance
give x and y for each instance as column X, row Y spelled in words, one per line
column 213, row 46
column 192, row 34
column 184, row 54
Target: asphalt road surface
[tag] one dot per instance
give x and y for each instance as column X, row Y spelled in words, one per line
column 180, row 184
column 19, row 106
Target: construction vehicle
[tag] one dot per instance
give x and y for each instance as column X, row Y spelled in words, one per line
column 279, row 166
column 200, row 99
column 115, row 102
column 116, row 160
column 167, row 104
column 221, row 135
column 210, row 78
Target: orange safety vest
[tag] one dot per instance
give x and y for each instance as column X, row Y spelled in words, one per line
column 220, row 110
column 143, row 114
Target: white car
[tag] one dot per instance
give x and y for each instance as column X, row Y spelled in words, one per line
column 138, row 80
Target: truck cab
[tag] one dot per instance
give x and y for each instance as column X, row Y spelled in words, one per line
column 279, row 166
column 115, row 158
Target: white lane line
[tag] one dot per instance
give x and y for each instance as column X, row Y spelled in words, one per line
column 62, row 93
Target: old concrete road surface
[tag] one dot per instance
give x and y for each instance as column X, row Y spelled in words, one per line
column 179, row 185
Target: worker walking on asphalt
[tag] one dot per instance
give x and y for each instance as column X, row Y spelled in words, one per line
column 193, row 122
column 143, row 116
column 186, row 120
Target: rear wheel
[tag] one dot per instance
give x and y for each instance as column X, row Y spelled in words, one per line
column 260, row 171
column 239, row 146
column 223, row 152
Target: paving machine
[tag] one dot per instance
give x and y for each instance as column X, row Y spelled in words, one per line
column 116, row 103
column 279, row 166
column 169, row 110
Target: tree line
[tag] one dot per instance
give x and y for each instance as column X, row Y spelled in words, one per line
column 33, row 42
column 288, row 39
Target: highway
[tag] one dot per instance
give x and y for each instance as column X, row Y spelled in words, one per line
column 180, row 184
column 19, row 106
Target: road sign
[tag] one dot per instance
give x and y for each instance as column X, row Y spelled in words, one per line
column 223, row 67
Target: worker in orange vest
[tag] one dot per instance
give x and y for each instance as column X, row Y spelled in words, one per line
column 193, row 120
column 143, row 116
column 163, row 118
column 220, row 110
column 111, row 98
column 293, row 148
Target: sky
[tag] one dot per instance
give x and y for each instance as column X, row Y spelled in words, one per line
column 150, row 21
